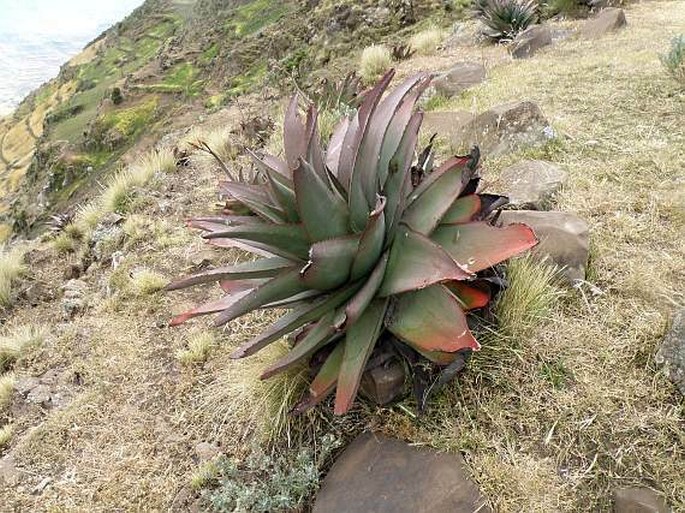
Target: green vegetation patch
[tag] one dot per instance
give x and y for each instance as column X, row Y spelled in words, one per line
column 128, row 122
column 252, row 17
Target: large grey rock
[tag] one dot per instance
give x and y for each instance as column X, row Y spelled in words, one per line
column 564, row 238
column 671, row 354
column 505, row 128
column 460, row 77
column 608, row 20
column 381, row 475
column 532, row 183
column 638, row 500
column 528, row 42
column 446, row 124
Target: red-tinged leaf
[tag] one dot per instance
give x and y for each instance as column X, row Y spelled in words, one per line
column 450, row 164
column 270, row 164
column 360, row 340
column 323, row 212
column 330, row 262
column 208, row 308
column 371, row 242
column 284, row 285
column 438, row 357
column 398, row 182
column 478, row 245
column 314, row 155
column 348, row 151
column 282, row 192
column 426, row 209
column 308, row 312
column 462, row 210
column 325, row 380
column 362, row 299
column 335, row 145
column 288, row 240
column 264, row 268
column 320, row 334
column 257, row 199
column 431, row 319
column 417, row 262
column 470, row 297
column 294, row 135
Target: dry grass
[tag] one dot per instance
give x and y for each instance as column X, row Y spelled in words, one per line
column 11, row 268
column 375, row 61
column 17, row 341
column 6, row 433
column 64, row 243
column 428, row 41
column 145, row 282
column 198, row 348
column 7, row 382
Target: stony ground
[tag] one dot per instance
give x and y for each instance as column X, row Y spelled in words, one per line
column 550, row 422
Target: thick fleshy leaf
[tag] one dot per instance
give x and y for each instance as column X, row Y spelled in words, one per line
column 284, row 285
column 256, row 199
column 314, row 154
column 360, row 340
column 478, row 245
column 281, row 189
column 330, row 262
column 362, row 299
column 426, row 209
column 263, row 268
column 208, row 308
column 417, row 262
column 489, row 203
column 298, row 317
column 469, row 296
column 371, row 242
column 462, row 210
column 324, row 382
column 323, row 212
column 282, row 239
column 294, row 135
column 255, row 248
column 335, row 145
column 216, row 223
column 319, row 335
column 431, row 319
column 238, row 286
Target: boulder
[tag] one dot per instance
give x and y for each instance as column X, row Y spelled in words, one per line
column 381, row 475
column 564, row 239
column 445, row 124
column 458, row 78
column 638, row 500
column 505, row 128
column 532, row 184
column 528, row 42
column 671, row 354
column 608, row 20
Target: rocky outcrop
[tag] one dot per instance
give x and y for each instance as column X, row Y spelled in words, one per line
column 460, row 77
column 608, row 20
column 532, row 184
column 528, row 42
column 671, row 354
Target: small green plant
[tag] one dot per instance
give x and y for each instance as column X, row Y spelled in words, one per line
column 674, row 60
column 504, row 19
column 11, row 268
column 357, row 252
column 375, row 61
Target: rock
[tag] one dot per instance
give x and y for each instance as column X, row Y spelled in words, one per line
column 459, row 78
column 384, row 383
column 638, row 500
column 40, row 395
column 206, row 451
column 528, row 42
column 564, row 238
column 445, row 124
column 381, row 475
column 671, row 354
column 532, row 183
column 38, row 489
column 608, row 20
column 8, row 470
column 74, row 297
column 505, row 128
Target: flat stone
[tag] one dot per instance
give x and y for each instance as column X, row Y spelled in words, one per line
column 639, row 500
column 564, row 239
column 446, row 124
column 528, row 42
column 505, row 128
column 381, row 475
column 532, row 183
column 607, row 20
column 385, row 383
column 671, row 354
column 458, row 78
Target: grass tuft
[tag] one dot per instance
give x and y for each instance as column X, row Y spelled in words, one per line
column 7, row 382
column 17, row 341
column 64, row 243
column 204, row 475
column 428, row 41
column 6, row 433
column 11, row 268
column 199, row 347
column 157, row 161
column 375, row 61
column 674, row 60
column 146, row 282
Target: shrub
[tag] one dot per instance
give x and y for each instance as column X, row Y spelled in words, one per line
column 11, row 268
column 504, row 19
column 375, row 61
column 427, row 42
column 674, row 60
column 359, row 252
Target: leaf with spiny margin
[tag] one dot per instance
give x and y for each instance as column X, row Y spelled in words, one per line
column 263, row 268
column 462, row 210
column 427, row 209
column 282, row 239
column 417, row 262
column 294, row 135
column 324, row 382
column 335, row 145
column 362, row 299
column 208, row 308
column 284, row 285
column 330, row 262
column 431, row 319
column 300, row 316
column 256, row 198
column 469, row 296
column 323, row 212
column 371, row 241
column 478, row 245
column 320, row 334
column 360, row 340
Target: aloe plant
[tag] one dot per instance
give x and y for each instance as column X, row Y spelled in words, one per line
column 504, row 19
column 357, row 240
